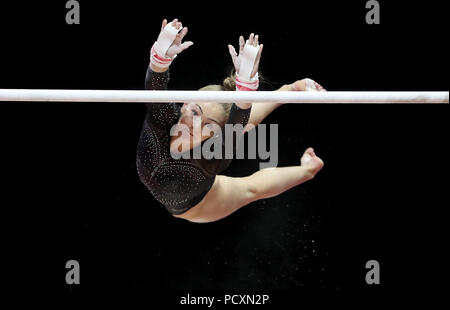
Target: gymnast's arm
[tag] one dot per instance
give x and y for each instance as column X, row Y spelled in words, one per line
column 155, row 79
column 260, row 110
column 246, row 64
column 165, row 49
column 163, row 52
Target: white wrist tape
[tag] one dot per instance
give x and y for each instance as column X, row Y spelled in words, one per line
column 165, row 39
column 157, row 60
column 247, row 85
column 248, row 57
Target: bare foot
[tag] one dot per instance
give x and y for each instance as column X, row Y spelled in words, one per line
column 310, row 160
column 306, row 85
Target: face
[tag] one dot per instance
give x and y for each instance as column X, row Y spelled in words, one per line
column 197, row 123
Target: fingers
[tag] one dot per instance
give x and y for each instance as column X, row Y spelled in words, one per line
column 234, row 56
column 164, row 23
column 174, row 23
column 319, row 87
column 258, row 57
column 241, row 44
column 306, row 85
column 186, row 45
column 232, row 51
column 180, row 36
column 177, row 49
column 251, row 39
column 177, row 24
column 183, row 33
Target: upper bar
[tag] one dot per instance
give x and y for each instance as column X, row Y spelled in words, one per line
column 143, row 96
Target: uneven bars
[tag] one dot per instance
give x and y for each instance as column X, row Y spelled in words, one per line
column 145, row 96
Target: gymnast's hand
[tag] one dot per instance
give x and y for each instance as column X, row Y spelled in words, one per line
column 252, row 40
column 177, row 47
column 168, row 45
column 303, row 85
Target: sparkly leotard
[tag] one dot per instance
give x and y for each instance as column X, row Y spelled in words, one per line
column 179, row 184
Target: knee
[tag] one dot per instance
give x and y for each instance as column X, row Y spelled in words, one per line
column 193, row 219
column 193, row 215
column 186, row 215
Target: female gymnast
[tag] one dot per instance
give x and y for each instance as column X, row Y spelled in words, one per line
column 192, row 189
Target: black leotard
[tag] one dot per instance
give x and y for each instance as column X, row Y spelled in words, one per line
column 179, row 184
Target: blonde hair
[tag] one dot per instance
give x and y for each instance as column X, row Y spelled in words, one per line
column 228, row 84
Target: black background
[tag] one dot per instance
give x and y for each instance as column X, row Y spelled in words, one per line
column 70, row 188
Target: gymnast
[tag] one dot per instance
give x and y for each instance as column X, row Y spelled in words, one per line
column 193, row 189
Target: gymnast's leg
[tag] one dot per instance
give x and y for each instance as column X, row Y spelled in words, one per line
column 230, row 194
